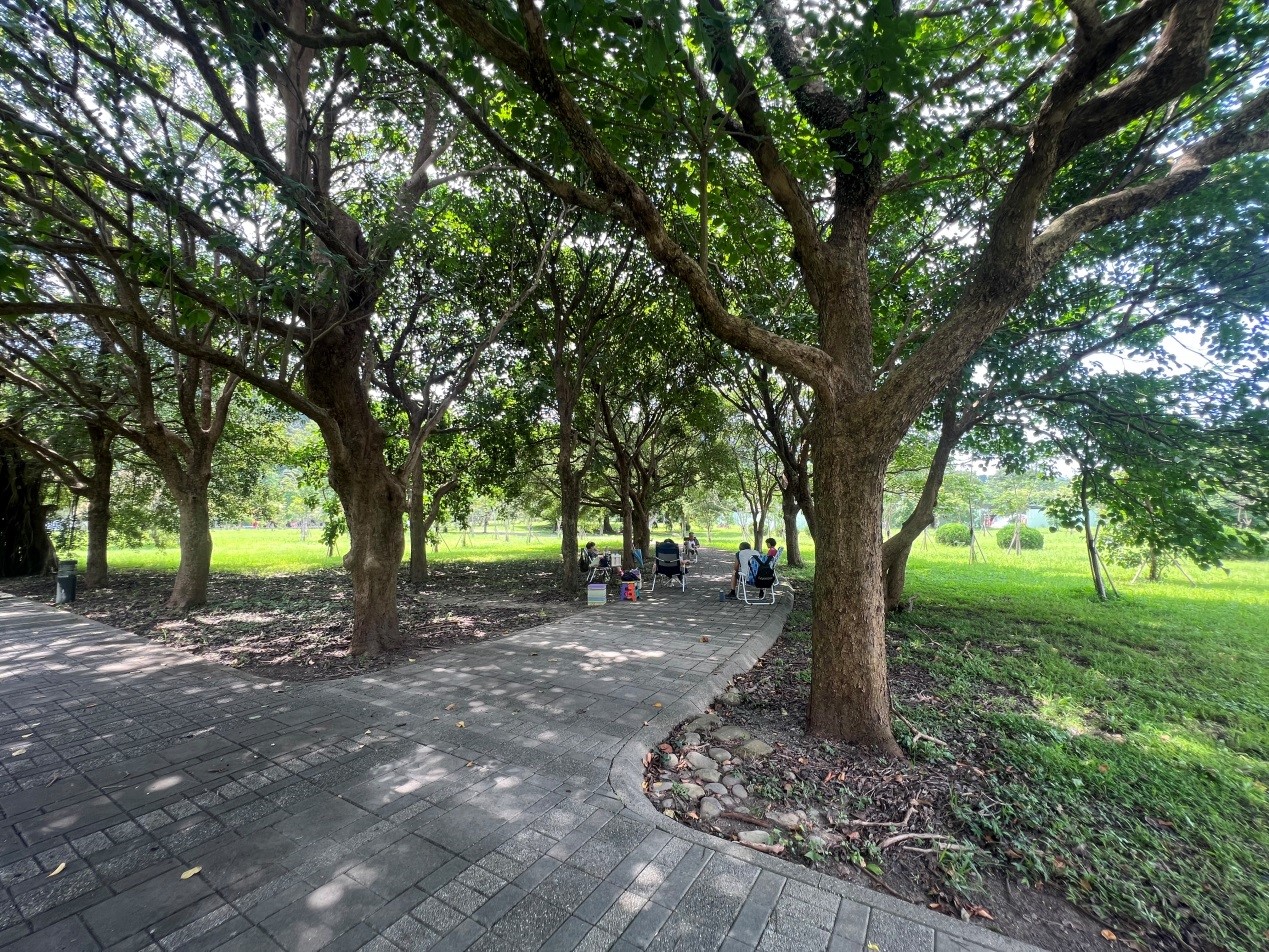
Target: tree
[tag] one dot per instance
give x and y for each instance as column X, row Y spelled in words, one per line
column 757, row 474
column 591, row 291
column 79, row 451
column 172, row 408
column 844, row 112
column 27, row 548
column 1125, row 298
column 655, row 416
column 1157, row 455
column 778, row 414
column 294, row 170
column 441, row 314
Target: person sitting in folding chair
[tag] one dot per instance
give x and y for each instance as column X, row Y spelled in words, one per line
column 757, row 579
column 669, row 562
column 597, row 566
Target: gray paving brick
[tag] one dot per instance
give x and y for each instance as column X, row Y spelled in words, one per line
column 890, row 933
column 341, row 816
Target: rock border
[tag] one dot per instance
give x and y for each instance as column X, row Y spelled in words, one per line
column 626, row 779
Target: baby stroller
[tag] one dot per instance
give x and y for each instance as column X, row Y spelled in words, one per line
column 669, row 562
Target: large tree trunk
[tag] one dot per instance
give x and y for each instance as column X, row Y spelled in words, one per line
column 607, row 528
column 98, row 506
column 373, row 498
column 641, row 530
column 27, row 548
column 190, row 587
column 570, row 515
column 376, row 546
column 792, row 546
column 850, row 696
column 627, row 519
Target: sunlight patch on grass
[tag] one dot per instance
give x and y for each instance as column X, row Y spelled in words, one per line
column 1064, row 713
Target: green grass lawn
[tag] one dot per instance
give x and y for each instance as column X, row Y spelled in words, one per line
column 1140, row 751
column 273, row 551
column 1137, row 734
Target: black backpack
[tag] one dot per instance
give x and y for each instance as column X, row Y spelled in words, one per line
column 583, row 563
column 762, row 572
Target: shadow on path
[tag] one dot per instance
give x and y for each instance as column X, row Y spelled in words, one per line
column 488, row 798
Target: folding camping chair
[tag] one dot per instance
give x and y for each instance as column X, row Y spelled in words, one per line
column 754, row 591
column 602, row 567
column 669, row 562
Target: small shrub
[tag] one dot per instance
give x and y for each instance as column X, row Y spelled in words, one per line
column 1031, row 538
column 954, row 534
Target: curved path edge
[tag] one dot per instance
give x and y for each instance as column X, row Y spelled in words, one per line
column 486, row 798
column 627, row 775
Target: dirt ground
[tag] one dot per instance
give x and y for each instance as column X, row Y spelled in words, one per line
column 296, row 627
column 881, row 824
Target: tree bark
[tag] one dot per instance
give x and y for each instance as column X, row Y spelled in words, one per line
column 373, row 508
column 570, row 515
column 98, row 492
column 627, row 515
column 792, row 545
column 850, row 694
column 373, row 498
column 607, row 527
column 27, row 548
column 190, row 588
column 641, row 531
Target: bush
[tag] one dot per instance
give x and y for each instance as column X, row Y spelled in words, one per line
column 1031, row 538
column 954, row 534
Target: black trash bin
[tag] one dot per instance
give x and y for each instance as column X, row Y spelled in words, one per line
column 65, row 581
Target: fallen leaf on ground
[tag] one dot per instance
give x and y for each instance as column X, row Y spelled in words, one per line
column 1109, row 936
column 461, row 724
column 192, row 871
column 60, row 867
column 657, row 704
column 450, row 707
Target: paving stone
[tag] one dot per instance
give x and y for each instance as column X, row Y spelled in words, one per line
column 340, row 816
column 69, row 935
column 891, row 933
column 143, row 905
column 322, row 916
column 400, row 866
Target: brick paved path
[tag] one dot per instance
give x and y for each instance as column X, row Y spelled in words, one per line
column 483, row 798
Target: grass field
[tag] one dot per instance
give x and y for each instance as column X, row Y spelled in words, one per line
column 1139, row 753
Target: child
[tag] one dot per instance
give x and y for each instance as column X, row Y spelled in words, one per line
column 772, row 551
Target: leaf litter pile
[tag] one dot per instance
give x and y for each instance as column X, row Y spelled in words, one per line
column 297, row 627
column 886, row 825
